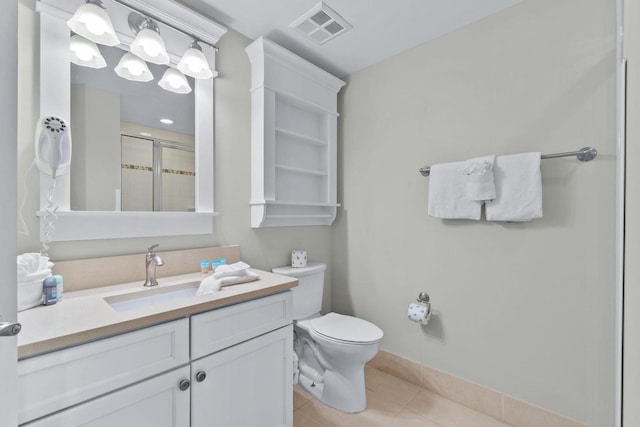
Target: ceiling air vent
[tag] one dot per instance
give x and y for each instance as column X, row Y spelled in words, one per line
column 321, row 24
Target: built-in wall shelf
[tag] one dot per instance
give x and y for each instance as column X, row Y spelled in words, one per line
column 301, row 170
column 293, row 139
column 305, row 139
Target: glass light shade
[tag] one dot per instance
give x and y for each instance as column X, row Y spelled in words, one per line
column 174, row 81
column 85, row 53
column 149, row 46
column 92, row 22
column 194, row 63
column 133, row 68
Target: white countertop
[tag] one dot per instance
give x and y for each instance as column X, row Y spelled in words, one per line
column 84, row 316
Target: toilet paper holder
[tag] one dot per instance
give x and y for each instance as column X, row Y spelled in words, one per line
column 420, row 312
column 423, row 297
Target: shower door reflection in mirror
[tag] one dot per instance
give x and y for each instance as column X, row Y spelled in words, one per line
column 157, row 175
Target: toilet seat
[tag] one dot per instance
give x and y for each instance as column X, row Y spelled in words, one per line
column 345, row 329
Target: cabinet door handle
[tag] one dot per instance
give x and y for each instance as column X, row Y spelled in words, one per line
column 184, row 385
column 201, row 376
column 9, row 329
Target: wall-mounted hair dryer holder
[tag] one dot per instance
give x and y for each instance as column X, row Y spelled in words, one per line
column 53, row 146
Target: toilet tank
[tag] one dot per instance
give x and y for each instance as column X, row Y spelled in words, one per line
column 307, row 296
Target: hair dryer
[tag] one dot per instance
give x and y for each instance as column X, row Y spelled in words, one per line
column 53, row 146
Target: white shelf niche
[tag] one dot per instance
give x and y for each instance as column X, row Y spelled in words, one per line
column 294, row 114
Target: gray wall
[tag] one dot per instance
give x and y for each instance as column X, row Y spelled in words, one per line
column 262, row 248
column 523, row 308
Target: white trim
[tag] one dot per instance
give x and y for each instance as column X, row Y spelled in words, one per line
column 93, row 225
column 263, row 48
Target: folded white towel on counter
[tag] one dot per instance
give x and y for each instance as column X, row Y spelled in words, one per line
column 447, row 193
column 33, row 266
column 479, row 184
column 235, row 269
column 518, row 188
column 211, row 284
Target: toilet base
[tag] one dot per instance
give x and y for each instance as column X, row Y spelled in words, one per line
column 331, row 370
column 341, row 392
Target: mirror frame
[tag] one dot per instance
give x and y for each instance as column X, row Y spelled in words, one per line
column 55, row 99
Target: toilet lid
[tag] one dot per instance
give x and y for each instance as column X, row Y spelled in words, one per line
column 346, row 328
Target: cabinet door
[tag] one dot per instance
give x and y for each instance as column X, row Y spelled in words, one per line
column 247, row 385
column 157, row 402
column 59, row 380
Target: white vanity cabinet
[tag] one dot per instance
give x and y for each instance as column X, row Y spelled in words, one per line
column 250, row 382
column 228, row 367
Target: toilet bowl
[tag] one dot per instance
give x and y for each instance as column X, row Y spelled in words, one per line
column 331, row 350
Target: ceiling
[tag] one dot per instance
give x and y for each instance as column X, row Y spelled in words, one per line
column 381, row 28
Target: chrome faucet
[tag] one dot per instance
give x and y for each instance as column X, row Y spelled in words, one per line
column 152, row 261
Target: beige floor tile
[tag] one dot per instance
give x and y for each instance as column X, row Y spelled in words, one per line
column 524, row 414
column 380, row 412
column 466, row 393
column 400, row 367
column 450, row 414
column 326, row 416
column 301, row 419
column 300, row 397
column 392, row 388
column 391, row 402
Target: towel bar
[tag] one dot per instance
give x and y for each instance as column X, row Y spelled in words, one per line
column 585, row 154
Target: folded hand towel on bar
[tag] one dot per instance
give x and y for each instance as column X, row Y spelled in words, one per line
column 447, row 193
column 478, row 175
column 518, row 188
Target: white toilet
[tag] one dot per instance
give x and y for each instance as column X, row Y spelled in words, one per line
column 331, row 350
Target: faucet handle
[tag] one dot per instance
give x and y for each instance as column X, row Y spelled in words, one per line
column 150, row 248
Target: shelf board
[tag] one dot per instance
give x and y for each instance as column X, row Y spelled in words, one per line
column 294, row 203
column 303, row 171
column 290, row 216
column 303, row 138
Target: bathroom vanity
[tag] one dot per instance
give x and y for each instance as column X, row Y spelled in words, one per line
column 121, row 355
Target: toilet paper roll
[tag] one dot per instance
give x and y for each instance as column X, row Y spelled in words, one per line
column 419, row 313
column 298, row 258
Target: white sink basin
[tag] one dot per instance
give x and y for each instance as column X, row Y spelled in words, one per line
column 148, row 297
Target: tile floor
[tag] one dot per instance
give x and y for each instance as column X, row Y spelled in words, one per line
column 391, row 402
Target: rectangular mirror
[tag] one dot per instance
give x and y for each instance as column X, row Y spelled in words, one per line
column 134, row 142
column 90, row 198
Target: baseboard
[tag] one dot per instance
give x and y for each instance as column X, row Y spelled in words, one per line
column 507, row 409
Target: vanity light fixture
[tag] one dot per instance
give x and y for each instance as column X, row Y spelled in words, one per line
column 148, row 44
column 174, row 81
column 193, row 63
column 92, row 22
column 85, row 53
column 166, row 121
column 133, row 68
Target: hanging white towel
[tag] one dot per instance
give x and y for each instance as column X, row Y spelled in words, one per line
column 518, row 188
column 447, row 193
column 479, row 183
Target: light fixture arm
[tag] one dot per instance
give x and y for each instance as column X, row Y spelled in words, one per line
column 98, row 3
column 138, row 23
column 156, row 19
column 194, row 45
